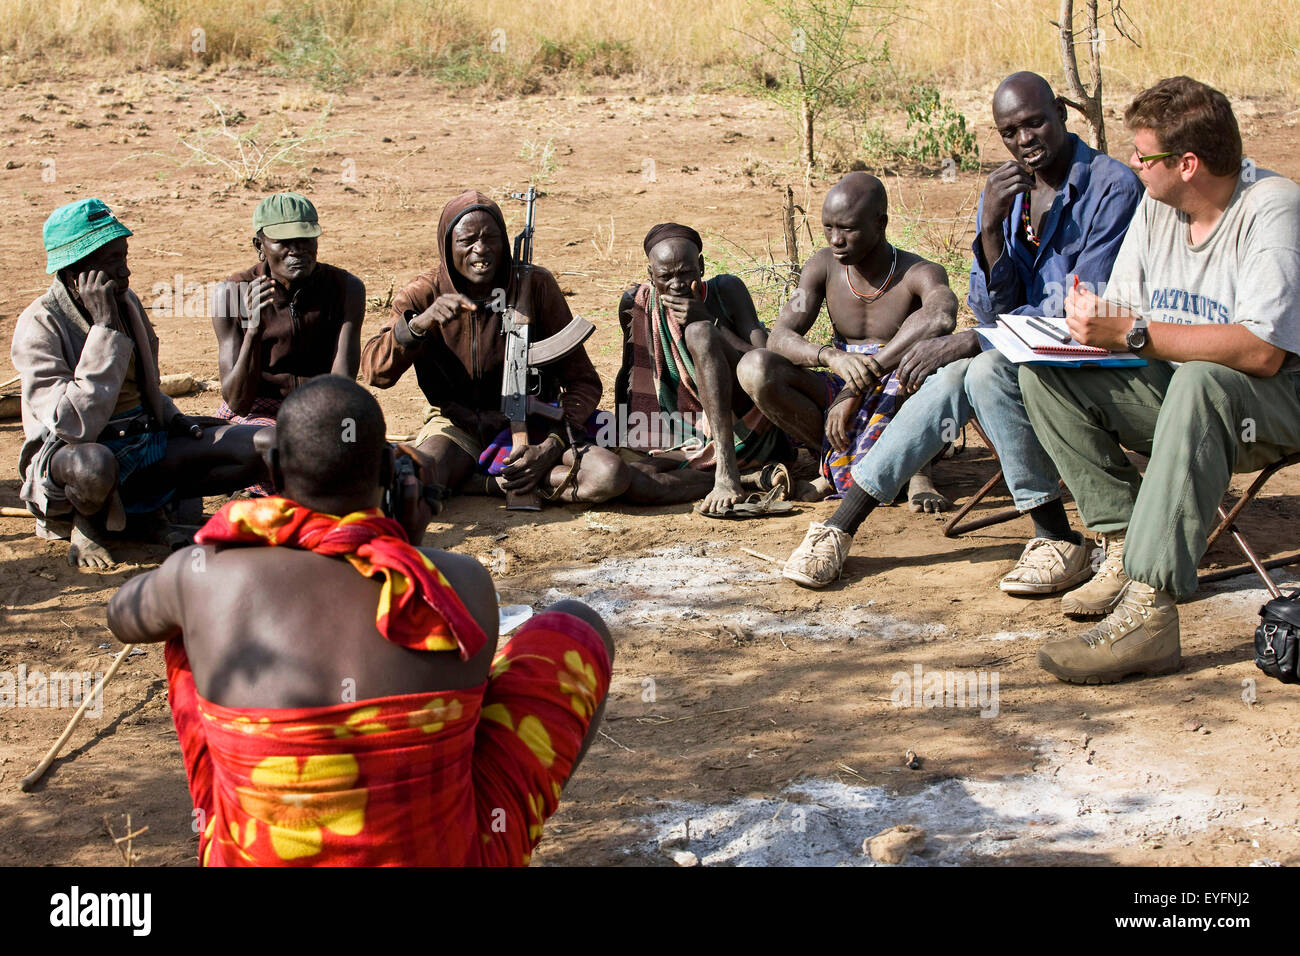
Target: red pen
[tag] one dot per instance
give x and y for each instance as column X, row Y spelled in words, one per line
column 1076, row 282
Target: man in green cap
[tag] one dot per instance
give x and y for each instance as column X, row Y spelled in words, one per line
column 286, row 319
column 101, row 439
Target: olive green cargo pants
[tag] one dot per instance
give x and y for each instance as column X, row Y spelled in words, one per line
column 1198, row 423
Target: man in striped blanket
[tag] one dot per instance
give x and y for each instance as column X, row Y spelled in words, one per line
column 690, row 428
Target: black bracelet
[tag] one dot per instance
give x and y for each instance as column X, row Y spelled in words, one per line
column 819, row 354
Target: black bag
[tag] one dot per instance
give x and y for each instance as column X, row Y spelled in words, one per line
column 1277, row 639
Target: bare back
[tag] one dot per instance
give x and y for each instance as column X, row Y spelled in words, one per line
column 280, row 627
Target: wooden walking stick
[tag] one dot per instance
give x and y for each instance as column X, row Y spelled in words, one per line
column 30, row 780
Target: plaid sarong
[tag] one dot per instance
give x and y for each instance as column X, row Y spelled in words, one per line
column 135, row 453
column 262, row 412
column 876, row 412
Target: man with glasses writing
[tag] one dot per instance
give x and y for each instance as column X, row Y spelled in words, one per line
column 1204, row 289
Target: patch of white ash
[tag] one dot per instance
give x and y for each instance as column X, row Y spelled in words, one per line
column 1242, row 595
column 1017, row 636
column 706, row 583
column 1066, row 809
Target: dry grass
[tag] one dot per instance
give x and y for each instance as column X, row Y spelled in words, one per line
column 1243, row 48
column 253, row 155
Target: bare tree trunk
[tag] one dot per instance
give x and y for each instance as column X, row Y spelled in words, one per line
column 1098, row 116
column 1087, row 102
column 791, row 239
column 806, row 116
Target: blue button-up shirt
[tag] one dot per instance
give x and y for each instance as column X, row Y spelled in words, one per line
column 1081, row 236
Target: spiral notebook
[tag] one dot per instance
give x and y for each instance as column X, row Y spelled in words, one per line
column 1047, row 336
column 1022, row 341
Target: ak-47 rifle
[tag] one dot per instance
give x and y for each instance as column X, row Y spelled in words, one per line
column 516, row 402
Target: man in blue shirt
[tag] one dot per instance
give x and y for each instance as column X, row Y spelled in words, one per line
column 1057, row 209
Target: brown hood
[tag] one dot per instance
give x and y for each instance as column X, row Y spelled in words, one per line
column 460, row 364
column 469, row 201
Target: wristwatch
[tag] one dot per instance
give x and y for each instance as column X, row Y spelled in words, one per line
column 1136, row 339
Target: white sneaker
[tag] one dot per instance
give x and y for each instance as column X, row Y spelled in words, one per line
column 1048, row 566
column 819, row 559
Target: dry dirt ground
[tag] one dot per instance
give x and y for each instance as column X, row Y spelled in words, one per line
column 749, row 714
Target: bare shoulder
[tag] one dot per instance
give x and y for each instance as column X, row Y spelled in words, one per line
column 202, row 566
column 163, row 587
column 352, row 285
column 734, row 292
column 472, row 584
column 729, row 285
column 463, row 572
column 817, row 268
column 920, row 273
column 172, row 573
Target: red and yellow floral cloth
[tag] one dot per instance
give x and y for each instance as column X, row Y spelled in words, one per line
column 417, row 607
column 459, row 777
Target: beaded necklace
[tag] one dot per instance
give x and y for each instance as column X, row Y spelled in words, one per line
column 1027, row 223
column 879, row 292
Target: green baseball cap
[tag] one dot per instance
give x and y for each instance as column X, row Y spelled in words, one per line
column 286, row 216
column 76, row 230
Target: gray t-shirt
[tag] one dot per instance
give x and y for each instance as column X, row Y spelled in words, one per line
column 1246, row 271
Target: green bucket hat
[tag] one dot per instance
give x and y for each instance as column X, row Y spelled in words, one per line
column 286, row 216
column 76, row 230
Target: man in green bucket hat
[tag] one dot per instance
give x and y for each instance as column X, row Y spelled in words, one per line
column 101, row 439
column 286, row 319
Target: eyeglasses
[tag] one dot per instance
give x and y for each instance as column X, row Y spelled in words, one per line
column 1147, row 160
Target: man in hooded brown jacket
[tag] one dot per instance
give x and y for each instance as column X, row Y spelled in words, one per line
column 446, row 324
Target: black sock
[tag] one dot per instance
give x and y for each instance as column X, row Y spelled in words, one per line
column 853, row 510
column 1050, row 521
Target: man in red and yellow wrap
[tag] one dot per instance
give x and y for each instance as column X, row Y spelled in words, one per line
column 337, row 691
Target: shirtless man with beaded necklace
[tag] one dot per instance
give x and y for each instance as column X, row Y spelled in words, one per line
column 881, row 301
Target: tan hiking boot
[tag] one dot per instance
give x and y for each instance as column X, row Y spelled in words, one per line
column 1139, row 637
column 1099, row 596
column 1048, row 566
column 819, row 559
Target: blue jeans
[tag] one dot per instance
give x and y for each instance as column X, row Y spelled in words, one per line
column 987, row 387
